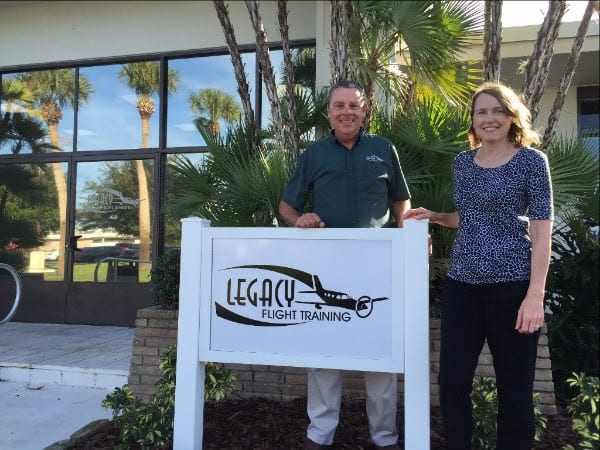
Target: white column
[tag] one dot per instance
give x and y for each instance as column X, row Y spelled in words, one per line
column 416, row 338
column 189, row 390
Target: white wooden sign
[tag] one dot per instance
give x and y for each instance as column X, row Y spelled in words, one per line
column 353, row 299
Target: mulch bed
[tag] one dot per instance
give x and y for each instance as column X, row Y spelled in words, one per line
column 259, row 423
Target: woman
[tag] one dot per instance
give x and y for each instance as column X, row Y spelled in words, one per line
column 495, row 283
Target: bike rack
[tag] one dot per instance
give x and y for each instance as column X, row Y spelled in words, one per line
column 116, row 260
column 11, row 270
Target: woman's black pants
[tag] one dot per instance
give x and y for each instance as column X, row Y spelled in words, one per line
column 470, row 314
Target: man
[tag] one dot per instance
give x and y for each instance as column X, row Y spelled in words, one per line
column 356, row 181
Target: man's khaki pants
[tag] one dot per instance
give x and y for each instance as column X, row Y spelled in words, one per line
column 324, row 392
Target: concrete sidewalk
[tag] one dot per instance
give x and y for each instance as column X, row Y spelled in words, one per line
column 53, row 379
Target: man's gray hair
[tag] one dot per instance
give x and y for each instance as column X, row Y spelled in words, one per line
column 346, row 84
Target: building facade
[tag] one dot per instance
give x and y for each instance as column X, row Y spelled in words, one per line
column 100, row 189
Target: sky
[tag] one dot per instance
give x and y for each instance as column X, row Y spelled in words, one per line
column 517, row 13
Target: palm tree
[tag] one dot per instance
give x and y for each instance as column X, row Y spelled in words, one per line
column 52, row 91
column 266, row 68
column 237, row 185
column 15, row 92
column 212, row 105
column 238, row 68
column 21, row 188
column 538, row 65
column 144, row 79
column 568, row 73
column 340, row 65
column 492, row 37
column 23, row 131
column 408, row 50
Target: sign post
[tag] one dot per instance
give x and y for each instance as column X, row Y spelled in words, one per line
column 298, row 297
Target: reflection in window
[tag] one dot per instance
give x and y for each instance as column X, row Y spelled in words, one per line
column 47, row 96
column 207, row 93
column 113, row 218
column 588, row 118
column 29, row 220
column 112, row 119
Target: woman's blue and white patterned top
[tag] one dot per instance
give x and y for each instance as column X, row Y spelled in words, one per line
column 495, row 205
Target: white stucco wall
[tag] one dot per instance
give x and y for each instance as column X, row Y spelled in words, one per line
column 61, row 31
column 50, row 31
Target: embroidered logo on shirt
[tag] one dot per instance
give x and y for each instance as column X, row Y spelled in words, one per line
column 374, row 158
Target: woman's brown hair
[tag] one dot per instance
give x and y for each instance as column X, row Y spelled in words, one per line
column 521, row 133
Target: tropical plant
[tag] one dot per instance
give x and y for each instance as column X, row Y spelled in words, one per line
column 144, row 79
column 20, row 131
column 23, row 188
column 16, row 94
column 574, row 171
column 409, row 49
column 21, row 192
column 236, row 185
column 151, row 426
column 212, row 105
column 52, row 91
column 484, row 400
column 304, row 66
column 585, row 409
column 573, row 300
column 165, row 279
column 427, row 138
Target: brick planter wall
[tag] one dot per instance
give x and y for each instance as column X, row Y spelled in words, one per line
column 156, row 329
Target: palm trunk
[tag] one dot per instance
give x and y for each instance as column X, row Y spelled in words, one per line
column 262, row 53
column 339, row 61
column 238, row 67
column 293, row 136
column 568, row 73
column 144, row 201
column 492, row 40
column 538, row 66
column 61, row 194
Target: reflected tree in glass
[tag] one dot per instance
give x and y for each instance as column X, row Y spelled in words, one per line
column 119, row 177
column 53, row 91
column 213, row 105
column 16, row 95
column 144, row 79
column 24, row 220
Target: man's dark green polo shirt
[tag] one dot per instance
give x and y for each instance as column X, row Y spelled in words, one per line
column 350, row 188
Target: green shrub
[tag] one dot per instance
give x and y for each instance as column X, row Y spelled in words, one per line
column 484, row 400
column 165, row 279
column 574, row 303
column 584, row 409
column 151, row 426
column 14, row 258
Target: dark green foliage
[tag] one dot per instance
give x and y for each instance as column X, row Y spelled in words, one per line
column 484, row 399
column 14, row 258
column 165, row 279
column 151, row 426
column 237, row 185
column 574, row 297
column 585, row 412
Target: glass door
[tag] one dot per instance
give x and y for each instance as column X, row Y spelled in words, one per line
column 111, row 241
